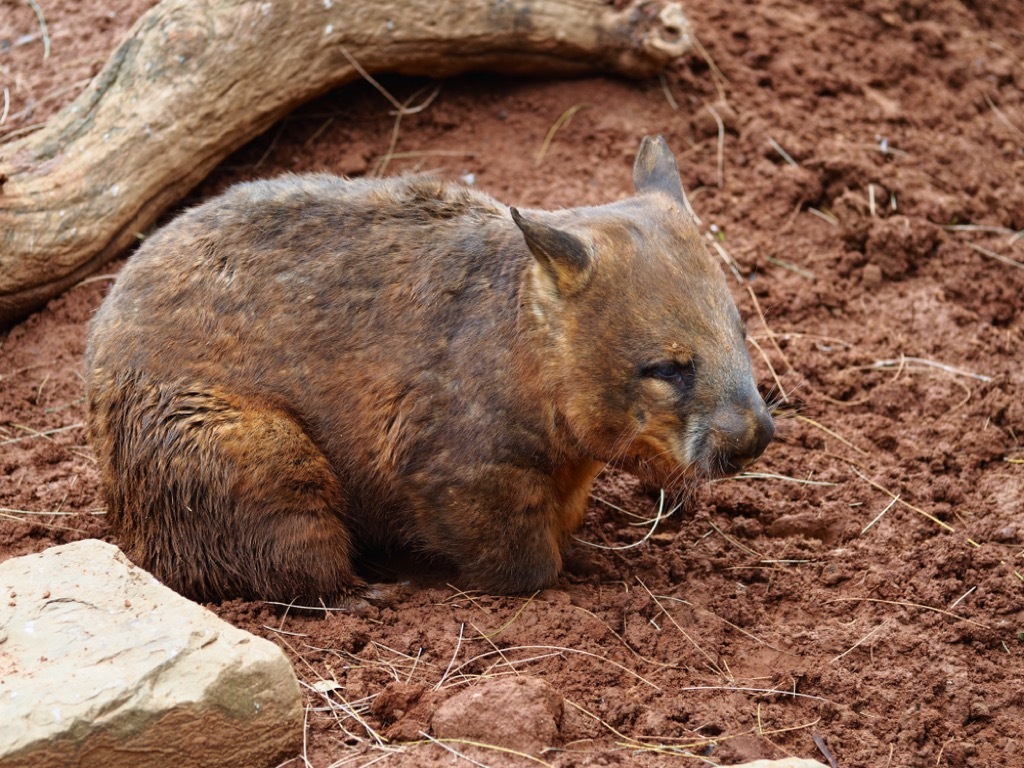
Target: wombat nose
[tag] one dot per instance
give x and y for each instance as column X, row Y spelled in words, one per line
column 741, row 435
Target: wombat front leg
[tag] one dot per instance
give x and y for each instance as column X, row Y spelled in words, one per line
column 507, row 533
column 224, row 496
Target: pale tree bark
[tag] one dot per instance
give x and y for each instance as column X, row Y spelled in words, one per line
column 196, row 79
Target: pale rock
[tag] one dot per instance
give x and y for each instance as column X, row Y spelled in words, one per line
column 101, row 665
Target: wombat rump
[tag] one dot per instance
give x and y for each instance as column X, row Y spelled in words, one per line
column 305, row 368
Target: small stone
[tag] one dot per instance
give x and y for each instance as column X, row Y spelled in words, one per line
column 520, row 713
column 871, row 276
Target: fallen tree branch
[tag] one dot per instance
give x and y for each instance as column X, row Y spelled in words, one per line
column 197, row 79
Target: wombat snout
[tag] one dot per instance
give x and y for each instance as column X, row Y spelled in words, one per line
column 737, row 436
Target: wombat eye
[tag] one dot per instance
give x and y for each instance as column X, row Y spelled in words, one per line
column 671, row 371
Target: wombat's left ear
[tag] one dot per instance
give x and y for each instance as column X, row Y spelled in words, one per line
column 655, row 170
column 566, row 258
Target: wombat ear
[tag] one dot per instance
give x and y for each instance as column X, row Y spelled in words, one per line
column 655, row 170
column 565, row 256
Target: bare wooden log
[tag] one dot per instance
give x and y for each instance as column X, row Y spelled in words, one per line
column 197, row 79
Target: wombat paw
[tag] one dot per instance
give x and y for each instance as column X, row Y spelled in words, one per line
column 366, row 599
column 386, row 595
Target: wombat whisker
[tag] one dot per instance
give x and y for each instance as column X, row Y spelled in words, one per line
column 771, row 368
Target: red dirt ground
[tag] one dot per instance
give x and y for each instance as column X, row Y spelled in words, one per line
column 797, row 606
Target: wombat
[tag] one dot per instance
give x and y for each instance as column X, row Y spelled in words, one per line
column 307, row 367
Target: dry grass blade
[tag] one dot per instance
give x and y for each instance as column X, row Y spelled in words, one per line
column 907, row 604
column 996, row 256
column 795, row 269
column 824, row 216
column 623, row 640
column 979, row 228
column 455, row 655
column 878, row 517
column 42, row 524
column 508, row 623
column 50, row 512
column 859, row 642
column 719, row 79
column 561, row 122
column 667, row 91
column 482, row 745
column 957, row 602
column 896, row 499
column 773, row 476
column 42, row 27
column 762, row 691
column 654, row 523
column 902, row 361
column 710, row 661
column 827, row 431
column 783, row 153
column 36, row 433
column 728, row 623
column 54, row 94
column 721, row 145
column 560, row 649
column 737, row 544
column 730, row 262
column 1003, row 118
column 767, row 328
column 7, row 105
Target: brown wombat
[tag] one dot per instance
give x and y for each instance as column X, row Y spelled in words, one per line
column 306, row 367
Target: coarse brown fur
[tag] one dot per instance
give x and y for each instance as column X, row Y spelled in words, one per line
column 306, row 367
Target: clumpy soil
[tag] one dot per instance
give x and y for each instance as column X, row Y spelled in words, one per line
column 859, row 166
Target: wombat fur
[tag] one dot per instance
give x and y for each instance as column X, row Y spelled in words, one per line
column 307, row 367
